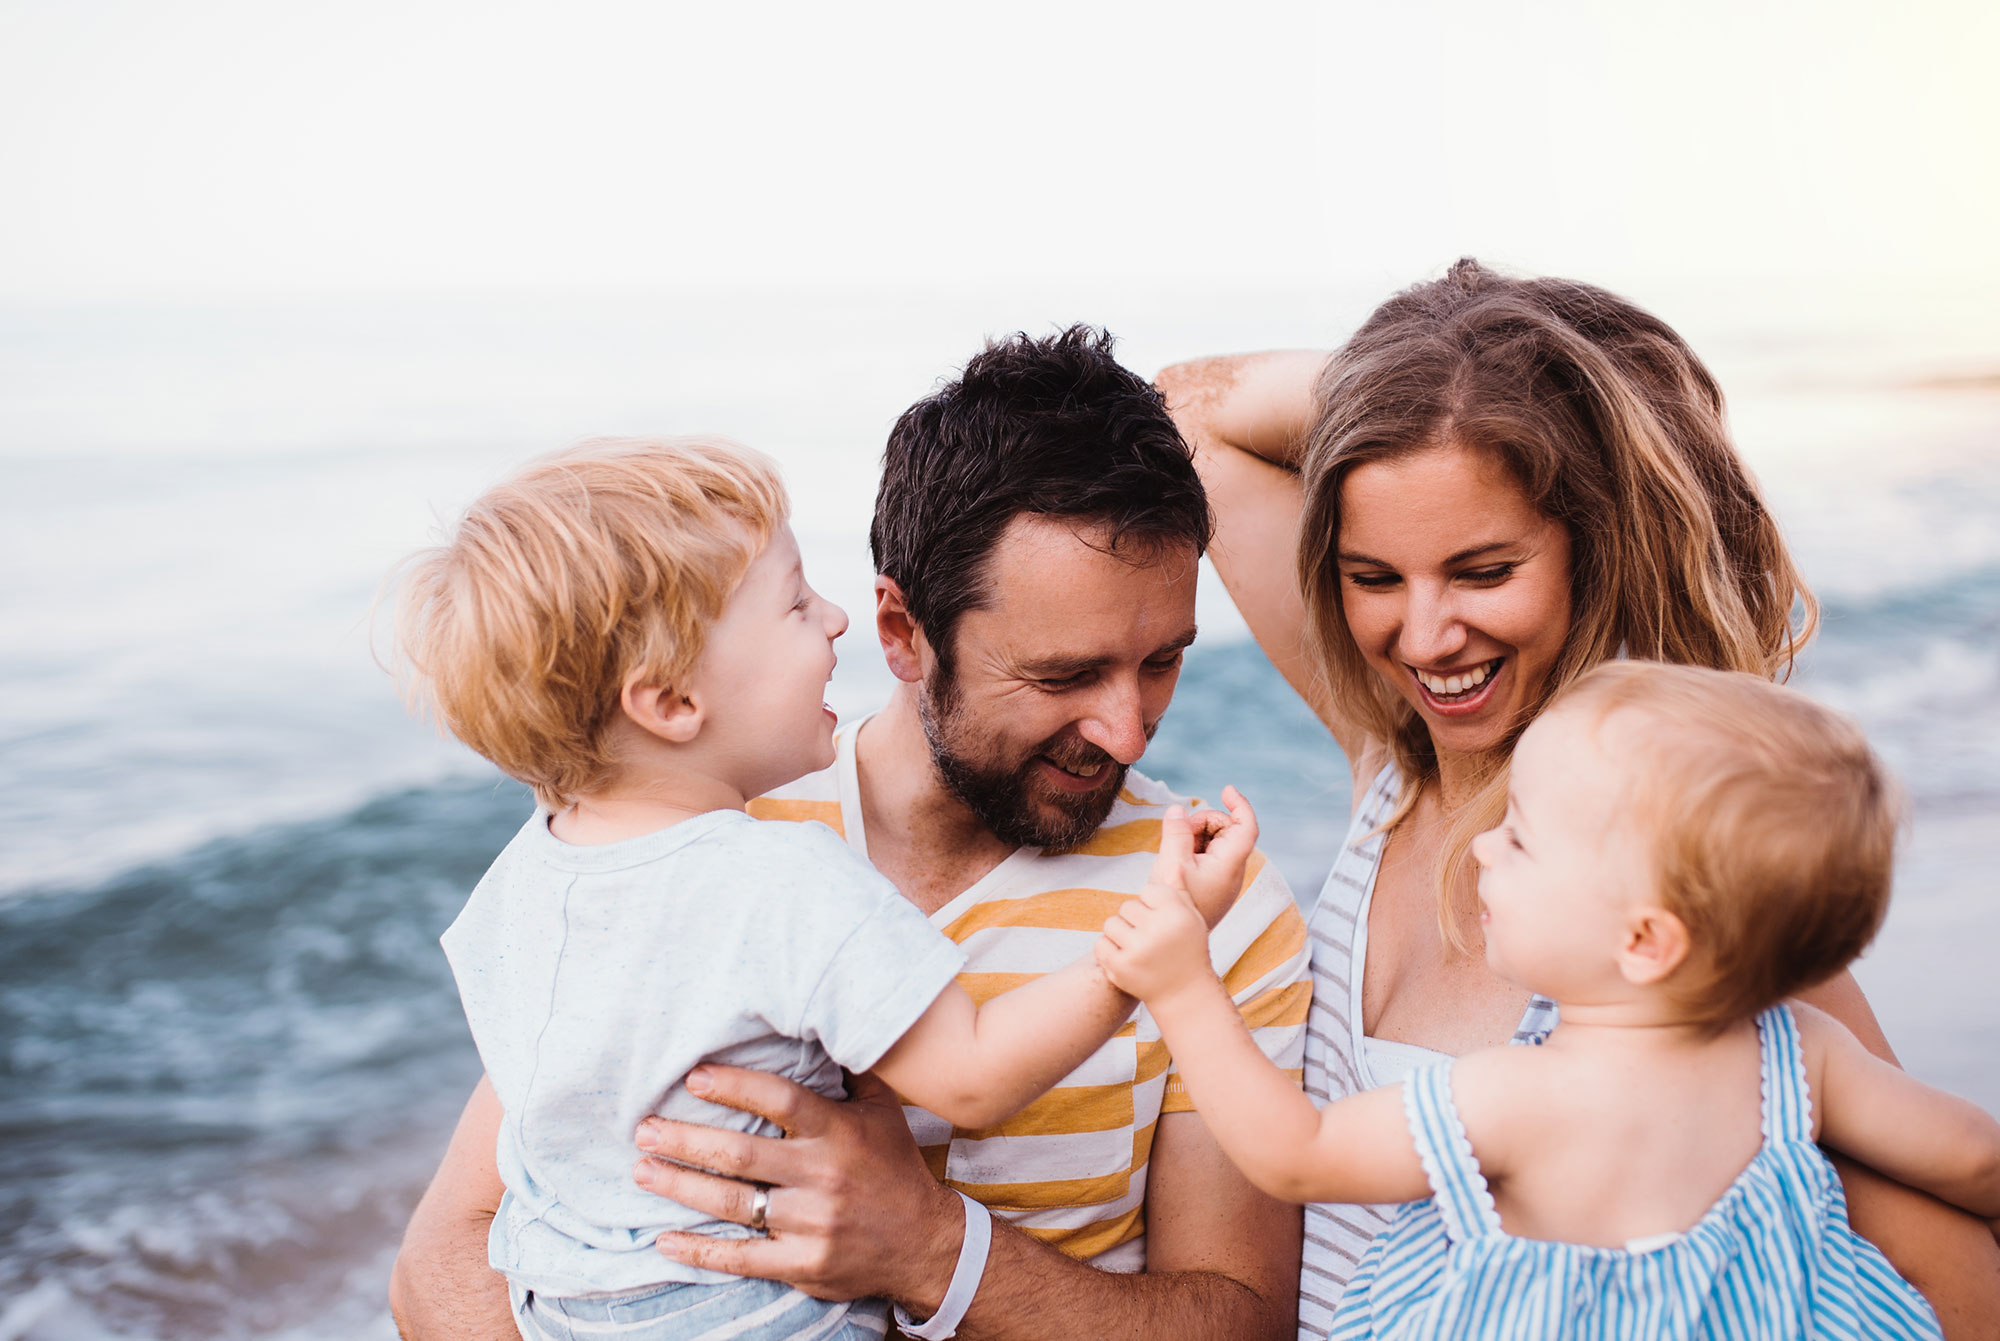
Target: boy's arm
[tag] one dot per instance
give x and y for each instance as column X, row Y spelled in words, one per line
column 976, row 1065
column 1873, row 1112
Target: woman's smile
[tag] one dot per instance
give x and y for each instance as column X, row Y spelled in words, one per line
column 1461, row 691
column 1456, row 589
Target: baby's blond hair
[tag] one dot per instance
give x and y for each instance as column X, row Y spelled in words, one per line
column 590, row 564
column 1772, row 824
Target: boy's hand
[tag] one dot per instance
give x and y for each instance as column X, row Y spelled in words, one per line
column 1155, row 944
column 1207, row 855
column 1158, row 942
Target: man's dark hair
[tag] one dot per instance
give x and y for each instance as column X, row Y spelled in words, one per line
column 1054, row 426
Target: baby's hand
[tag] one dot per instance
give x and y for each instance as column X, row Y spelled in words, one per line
column 1156, row 943
column 1207, row 855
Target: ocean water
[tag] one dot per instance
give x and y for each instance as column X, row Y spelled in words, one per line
column 229, row 1048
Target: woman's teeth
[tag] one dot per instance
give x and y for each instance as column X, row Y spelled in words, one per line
column 1445, row 686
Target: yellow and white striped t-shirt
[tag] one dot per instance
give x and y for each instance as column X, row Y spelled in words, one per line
column 1070, row 1168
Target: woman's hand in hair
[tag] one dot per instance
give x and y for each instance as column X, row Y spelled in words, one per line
column 1247, row 417
column 1256, row 403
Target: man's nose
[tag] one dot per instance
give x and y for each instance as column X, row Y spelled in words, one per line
column 1117, row 720
column 1433, row 633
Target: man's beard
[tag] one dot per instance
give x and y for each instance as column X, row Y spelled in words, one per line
column 1003, row 797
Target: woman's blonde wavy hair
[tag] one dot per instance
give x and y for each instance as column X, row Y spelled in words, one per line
column 1612, row 427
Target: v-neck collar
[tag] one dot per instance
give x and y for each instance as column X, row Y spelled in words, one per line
column 847, row 777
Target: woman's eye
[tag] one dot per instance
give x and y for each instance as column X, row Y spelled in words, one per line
column 1372, row 581
column 1513, row 840
column 1499, row 572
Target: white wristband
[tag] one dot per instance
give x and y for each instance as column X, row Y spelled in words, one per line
column 964, row 1279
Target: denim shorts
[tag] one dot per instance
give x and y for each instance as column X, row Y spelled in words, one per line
column 735, row 1310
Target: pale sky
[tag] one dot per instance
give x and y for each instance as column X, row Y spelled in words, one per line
column 228, row 147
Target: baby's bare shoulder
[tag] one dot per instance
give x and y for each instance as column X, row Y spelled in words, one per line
column 1505, row 1098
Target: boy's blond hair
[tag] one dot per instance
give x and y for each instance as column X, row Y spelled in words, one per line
column 1773, row 826
column 591, row 564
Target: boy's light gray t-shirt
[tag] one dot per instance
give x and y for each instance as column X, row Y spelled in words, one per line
column 595, row 978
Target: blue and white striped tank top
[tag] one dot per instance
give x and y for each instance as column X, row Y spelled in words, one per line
column 1337, row 1064
column 1772, row 1258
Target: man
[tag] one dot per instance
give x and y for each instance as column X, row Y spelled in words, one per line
column 1036, row 535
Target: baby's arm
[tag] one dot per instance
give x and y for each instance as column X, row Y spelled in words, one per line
column 1358, row 1149
column 977, row 1065
column 1885, row 1118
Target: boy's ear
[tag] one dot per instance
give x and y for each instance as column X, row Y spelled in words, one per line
column 1656, row 943
column 904, row 646
column 659, row 710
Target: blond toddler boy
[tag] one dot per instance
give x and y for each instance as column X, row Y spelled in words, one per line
column 626, row 626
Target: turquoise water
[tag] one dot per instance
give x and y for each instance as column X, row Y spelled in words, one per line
column 229, row 1049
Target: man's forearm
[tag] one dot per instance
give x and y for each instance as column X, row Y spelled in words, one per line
column 441, row 1288
column 1222, row 1261
column 1031, row 1292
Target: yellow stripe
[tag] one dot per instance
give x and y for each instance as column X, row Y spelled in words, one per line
column 1143, row 835
column 1064, row 1111
column 1052, row 910
column 1050, row 1195
column 1089, row 1240
column 1121, row 840
column 1281, row 941
column 1153, row 1059
column 1281, row 1006
column 1142, row 1144
column 1176, row 1100
column 826, row 812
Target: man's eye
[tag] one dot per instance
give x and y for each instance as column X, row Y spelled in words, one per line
column 1061, row 682
column 1162, row 666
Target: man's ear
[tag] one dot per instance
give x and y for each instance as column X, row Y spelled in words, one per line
column 904, row 646
column 660, row 710
column 1656, row 943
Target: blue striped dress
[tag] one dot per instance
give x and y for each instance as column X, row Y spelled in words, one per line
column 1773, row 1258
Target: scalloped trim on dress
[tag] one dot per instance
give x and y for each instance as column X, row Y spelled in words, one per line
column 1801, row 1086
column 1483, row 1208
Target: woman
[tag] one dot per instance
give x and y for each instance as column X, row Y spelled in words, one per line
column 1495, row 485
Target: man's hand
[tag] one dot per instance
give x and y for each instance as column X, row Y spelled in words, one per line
column 852, row 1208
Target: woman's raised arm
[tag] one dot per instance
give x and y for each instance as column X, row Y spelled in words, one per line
column 1246, row 416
